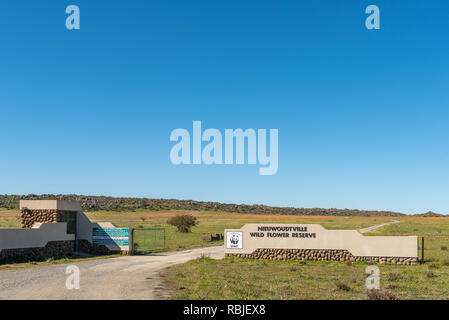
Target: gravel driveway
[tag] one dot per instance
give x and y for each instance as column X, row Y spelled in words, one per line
column 128, row 277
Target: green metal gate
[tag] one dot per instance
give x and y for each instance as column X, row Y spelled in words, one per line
column 148, row 240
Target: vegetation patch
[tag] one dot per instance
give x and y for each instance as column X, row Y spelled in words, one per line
column 393, row 276
column 376, row 294
column 183, row 222
column 342, row 286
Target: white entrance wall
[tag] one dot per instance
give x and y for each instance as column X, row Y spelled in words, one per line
column 315, row 236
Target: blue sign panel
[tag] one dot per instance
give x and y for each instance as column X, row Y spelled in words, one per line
column 110, row 236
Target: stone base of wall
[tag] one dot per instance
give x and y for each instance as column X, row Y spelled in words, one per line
column 87, row 247
column 212, row 237
column 319, row 255
column 53, row 249
column 29, row 217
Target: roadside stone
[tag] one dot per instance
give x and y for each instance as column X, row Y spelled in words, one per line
column 319, row 255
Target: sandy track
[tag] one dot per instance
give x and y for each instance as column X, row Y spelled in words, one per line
column 129, row 277
column 377, row 226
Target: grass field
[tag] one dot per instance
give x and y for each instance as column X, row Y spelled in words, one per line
column 9, row 218
column 235, row 278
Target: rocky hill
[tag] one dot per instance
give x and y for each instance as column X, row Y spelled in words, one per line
column 132, row 204
column 430, row 214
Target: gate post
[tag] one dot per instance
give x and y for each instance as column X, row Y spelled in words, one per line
column 131, row 238
column 422, row 250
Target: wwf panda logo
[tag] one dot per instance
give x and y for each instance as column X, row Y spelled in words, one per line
column 234, row 240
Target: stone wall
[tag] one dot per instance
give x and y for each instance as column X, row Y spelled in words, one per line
column 319, row 255
column 53, row 249
column 29, row 217
column 87, row 247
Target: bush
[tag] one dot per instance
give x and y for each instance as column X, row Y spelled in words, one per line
column 376, row 294
column 342, row 286
column 394, row 276
column 183, row 222
column 444, row 248
column 392, row 286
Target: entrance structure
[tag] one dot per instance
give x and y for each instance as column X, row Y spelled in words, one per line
column 314, row 242
column 55, row 228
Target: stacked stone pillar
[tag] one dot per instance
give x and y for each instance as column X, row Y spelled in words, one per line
column 29, row 217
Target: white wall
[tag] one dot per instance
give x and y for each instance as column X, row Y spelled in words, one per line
column 351, row 240
column 36, row 237
column 83, row 227
column 50, row 205
column 84, row 230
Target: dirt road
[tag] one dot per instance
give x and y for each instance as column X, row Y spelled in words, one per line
column 129, row 277
column 377, row 226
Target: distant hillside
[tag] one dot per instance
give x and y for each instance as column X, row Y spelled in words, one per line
column 429, row 214
column 131, row 204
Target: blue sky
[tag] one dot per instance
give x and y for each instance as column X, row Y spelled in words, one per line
column 362, row 115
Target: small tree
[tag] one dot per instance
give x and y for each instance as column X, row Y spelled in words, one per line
column 183, row 222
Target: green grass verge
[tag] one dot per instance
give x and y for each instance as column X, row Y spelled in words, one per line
column 241, row 279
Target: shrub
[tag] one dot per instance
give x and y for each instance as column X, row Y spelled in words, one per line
column 444, row 248
column 394, row 276
column 183, row 222
column 342, row 286
column 392, row 286
column 376, row 294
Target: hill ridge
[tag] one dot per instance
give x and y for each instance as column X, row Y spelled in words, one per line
column 131, row 204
